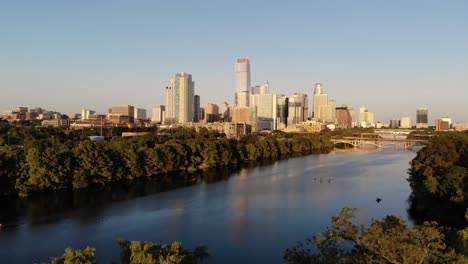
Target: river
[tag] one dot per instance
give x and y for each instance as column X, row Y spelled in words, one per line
column 248, row 216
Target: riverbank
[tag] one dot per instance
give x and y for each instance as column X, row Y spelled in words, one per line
column 264, row 206
column 63, row 165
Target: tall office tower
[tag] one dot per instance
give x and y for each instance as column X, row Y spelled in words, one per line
column 180, row 99
column 85, row 113
column 227, row 112
column 169, row 105
column 343, row 117
column 211, row 113
column 422, row 118
column 266, row 105
column 320, row 100
column 123, row 111
column 281, row 111
column 366, row 118
column 158, row 114
column 140, row 114
column 351, row 113
column 260, row 89
column 394, row 123
column 196, row 108
column 297, row 108
column 328, row 112
column 242, row 82
column 405, row 122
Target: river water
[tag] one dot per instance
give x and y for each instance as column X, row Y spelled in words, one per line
column 248, row 216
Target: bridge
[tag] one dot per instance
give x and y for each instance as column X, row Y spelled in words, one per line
column 378, row 142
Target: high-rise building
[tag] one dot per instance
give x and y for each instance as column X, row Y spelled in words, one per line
column 282, row 111
column 196, row 108
column 297, row 108
column 140, row 114
column 123, row 111
column 180, row 99
column 320, row 102
column 422, row 118
column 394, row 123
column 85, row 113
column 351, row 113
column 169, row 105
column 366, row 118
column 266, row 105
column 158, row 114
column 406, row 122
column 211, row 113
column 343, row 117
column 242, row 82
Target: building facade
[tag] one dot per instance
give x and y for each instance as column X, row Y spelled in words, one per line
column 422, row 118
column 242, row 82
column 158, row 114
column 180, row 99
column 297, row 109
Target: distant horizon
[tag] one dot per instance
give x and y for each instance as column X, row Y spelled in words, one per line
column 393, row 57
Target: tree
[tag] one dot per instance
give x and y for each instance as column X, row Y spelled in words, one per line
column 138, row 252
column 388, row 240
column 93, row 164
column 76, row 256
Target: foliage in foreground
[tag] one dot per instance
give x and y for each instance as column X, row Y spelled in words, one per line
column 439, row 180
column 138, row 252
column 388, row 240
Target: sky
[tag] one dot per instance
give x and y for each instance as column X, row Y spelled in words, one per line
column 391, row 56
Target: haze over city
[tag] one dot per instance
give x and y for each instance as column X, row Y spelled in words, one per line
column 394, row 57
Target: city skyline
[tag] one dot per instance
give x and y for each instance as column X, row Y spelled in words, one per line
column 393, row 57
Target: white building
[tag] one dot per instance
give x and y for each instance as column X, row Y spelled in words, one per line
column 242, row 82
column 85, row 113
column 406, row 122
column 366, row 118
column 158, row 114
column 180, row 99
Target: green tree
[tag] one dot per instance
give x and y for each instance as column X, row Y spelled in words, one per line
column 93, row 164
column 388, row 240
column 76, row 256
column 138, row 252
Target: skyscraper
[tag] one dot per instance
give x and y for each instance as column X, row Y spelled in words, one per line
column 196, row 108
column 320, row 102
column 422, row 118
column 158, row 114
column 297, row 108
column 242, row 82
column 180, row 99
column 406, row 122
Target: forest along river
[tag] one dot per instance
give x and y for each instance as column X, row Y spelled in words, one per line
column 248, row 216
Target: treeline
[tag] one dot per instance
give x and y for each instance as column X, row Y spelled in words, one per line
column 44, row 159
column 138, row 252
column 439, row 180
column 386, row 240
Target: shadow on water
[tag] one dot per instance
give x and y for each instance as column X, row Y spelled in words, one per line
column 38, row 209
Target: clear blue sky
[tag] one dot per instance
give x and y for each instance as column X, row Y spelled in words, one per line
column 392, row 56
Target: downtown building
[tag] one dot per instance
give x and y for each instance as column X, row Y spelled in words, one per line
column 406, row 122
column 297, row 109
column 366, row 118
column 323, row 110
column 159, row 114
column 422, row 118
column 179, row 98
column 242, row 68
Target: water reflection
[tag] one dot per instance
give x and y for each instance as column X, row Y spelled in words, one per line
column 267, row 206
